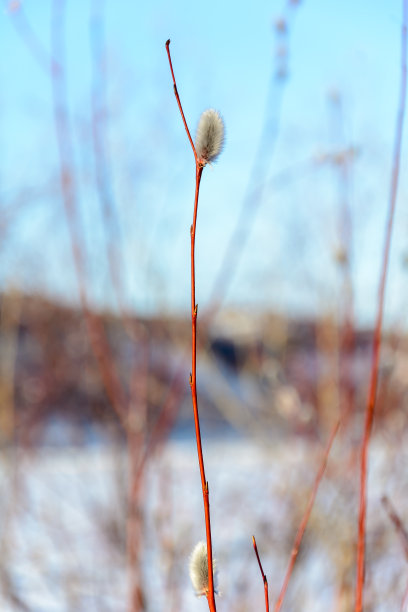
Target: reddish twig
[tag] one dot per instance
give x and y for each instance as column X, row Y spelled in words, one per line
column 103, row 173
column 193, row 375
column 98, row 340
column 264, row 578
column 371, row 399
column 398, row 524
column 403, row 535
column 178, row 101
column 305, row 519
column 54, row 63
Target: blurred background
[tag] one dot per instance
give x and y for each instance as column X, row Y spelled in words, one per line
column 101, row 502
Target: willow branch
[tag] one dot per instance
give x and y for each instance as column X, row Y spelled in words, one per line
column 371, row 399
column 193, row 375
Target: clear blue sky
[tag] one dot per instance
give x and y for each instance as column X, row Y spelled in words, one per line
column 226, row 55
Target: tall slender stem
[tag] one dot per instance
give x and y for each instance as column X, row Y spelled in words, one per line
column 371, row 399
column 193, row 384
column 194, row 309
column 193, row 376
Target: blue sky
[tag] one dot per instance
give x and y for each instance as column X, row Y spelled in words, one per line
column 225, row 56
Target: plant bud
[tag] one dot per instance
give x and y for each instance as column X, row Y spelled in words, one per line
column 199, row 569
column 210, row 136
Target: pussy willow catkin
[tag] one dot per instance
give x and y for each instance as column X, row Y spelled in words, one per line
column 199, row 569
column 210, row 136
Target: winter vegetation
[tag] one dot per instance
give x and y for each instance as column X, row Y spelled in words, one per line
column 182, row 426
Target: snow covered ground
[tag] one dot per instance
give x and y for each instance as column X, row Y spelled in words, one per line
column 63, row 526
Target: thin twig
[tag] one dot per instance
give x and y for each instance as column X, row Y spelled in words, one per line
column 397, row 522
column 305, row 519
column 403, row 534
column 193, row 375
column 404, row 603
column 95, row 330
column 371, row 399
column 264, row 578
column 343, row 167
column 54, row 64
column 103, row 171
column 178, row 101
column 257, row 185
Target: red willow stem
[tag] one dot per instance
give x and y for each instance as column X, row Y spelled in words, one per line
column 264, row 578
column 193, row 375
column 371, row 399
column 305, row 519
column 178, row 101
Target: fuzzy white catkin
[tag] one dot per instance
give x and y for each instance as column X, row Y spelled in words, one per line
column 199, row 569
column 210, row 135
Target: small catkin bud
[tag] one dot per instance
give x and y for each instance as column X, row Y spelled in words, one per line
column 199, row 569
column 210, row 136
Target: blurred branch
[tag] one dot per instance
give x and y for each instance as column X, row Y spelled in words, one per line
column 103, row 170
column 342, row 165
column 404, row 602
column 256, row 185
column 398, row 524
column 96, row 332
column 305, row 519
column 29, row 37
column 371, row 399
